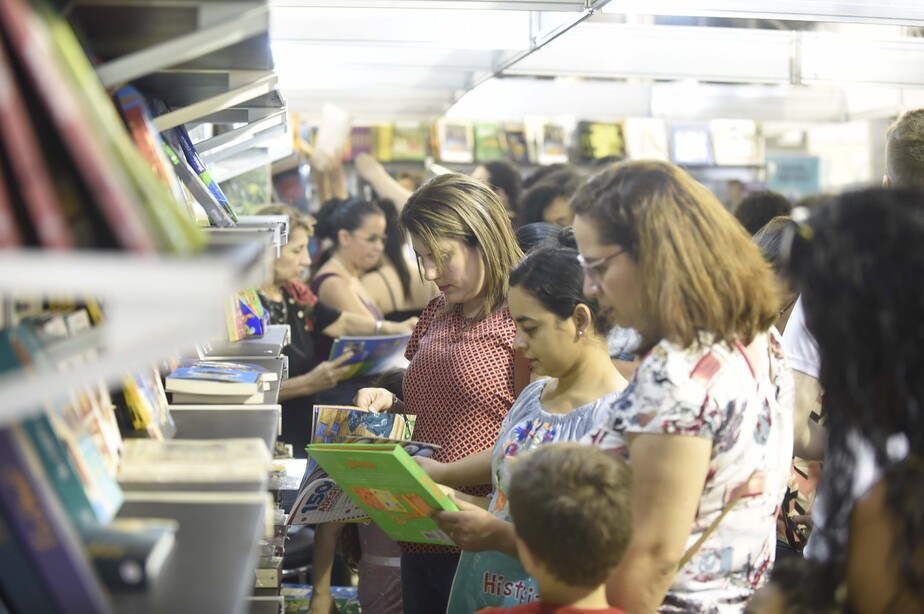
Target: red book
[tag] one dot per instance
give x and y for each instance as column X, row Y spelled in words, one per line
column 31, row 41
column 30, row 174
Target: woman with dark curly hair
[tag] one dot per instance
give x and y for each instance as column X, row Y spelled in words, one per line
column 859, row 263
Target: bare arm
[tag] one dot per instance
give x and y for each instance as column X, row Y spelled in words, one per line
column 384, row 184
column 336, row 292
column 874, row 576
column 809, row 437
column 472, row 470
column 356, row 325
column 669, row 472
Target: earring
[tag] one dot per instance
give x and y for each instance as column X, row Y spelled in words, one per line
column 580, row 333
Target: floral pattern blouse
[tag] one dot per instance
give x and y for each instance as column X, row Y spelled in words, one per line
column 744, row 405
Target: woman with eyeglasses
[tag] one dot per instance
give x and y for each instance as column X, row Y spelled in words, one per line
column 460, row 380
column 706, row 421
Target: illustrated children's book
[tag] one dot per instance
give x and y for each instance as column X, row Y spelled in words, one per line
column 334, row 423
column 371, row 355
column 214, row 380
column 386, row 482
column 320, row 499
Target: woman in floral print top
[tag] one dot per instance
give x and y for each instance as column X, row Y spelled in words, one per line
column 708, row 414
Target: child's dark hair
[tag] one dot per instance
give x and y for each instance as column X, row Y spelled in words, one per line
column 579, row 495
column 338, row 214
column 552, row 274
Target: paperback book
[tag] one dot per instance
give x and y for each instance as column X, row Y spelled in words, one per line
column 211, row 379
column 386, row 482
column 371, row 355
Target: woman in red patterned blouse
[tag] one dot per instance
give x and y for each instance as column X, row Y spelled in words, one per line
column 459, row 382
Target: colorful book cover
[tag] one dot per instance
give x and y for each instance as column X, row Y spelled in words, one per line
column 551, row 147
column 334, row 423
column 598, row 140
column 371, row 355
column 489, row 142
column 297, row 598
column 409, row 141
column 456, row 140
column 213, row 379
column 392, row 488
column 192, row 157
column 320, row 499
column 40, row 528
column 360, row 141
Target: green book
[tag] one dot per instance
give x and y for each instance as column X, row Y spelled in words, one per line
column 390, row 486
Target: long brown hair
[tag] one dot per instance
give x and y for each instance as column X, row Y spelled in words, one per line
column 454, row 206
column 700, row 271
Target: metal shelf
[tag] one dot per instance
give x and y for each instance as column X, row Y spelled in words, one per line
column 154, row 304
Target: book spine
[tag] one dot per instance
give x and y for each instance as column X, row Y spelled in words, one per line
column 20, row 586
column 61, row 473
column 192, row 156
column 31, row 40
column 40, row 528
column 25, row 159
column 9, row 231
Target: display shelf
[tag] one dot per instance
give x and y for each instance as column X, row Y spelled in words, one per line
column 269, row 345
column 139, row 38
column 260, row 93
column 212, row 564
column 154, row 305
column 234, row 141
column 227, row 421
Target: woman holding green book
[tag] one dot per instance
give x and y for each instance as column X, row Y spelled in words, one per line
column 460, row 380
column 563, row 335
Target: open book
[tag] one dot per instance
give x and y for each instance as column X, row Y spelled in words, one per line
column 371, row 355
column 393, row 490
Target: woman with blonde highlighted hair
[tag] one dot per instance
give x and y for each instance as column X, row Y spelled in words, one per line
column 460, row 380
column 707, row 420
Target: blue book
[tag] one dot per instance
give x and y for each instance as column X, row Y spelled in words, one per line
column 41, row 529
column 212, row 379
column 371, row 355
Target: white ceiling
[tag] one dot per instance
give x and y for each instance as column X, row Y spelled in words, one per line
column 413, row 59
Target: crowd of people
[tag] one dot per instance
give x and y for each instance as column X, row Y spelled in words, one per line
column 750, row 445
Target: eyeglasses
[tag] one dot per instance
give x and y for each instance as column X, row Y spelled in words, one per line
column 373, row 239
column 595, row 269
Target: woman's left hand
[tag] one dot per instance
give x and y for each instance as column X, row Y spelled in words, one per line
column 471, row 528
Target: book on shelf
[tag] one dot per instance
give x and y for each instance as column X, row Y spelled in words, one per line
column 146, row 402
column 598, row 140
column 455, row 139
column 37, row 523
column 10, row 235
column 29, row 174
column 320, row 499
column 360, row 141
column 214, row 380
column 551, row 146
column 736, row 142
column 409, row 141
column 515, row 143
column 197, row 180
column 386, row 482
column 691, row 145
column 134, row 111
column 193, row 159
column 489, row 142
column 120, row 185
column 185, row 398
column 21, row 589
column 646, row 139
column 382, row 141
column 129, row 553
column 371, row 355
column 232, row 464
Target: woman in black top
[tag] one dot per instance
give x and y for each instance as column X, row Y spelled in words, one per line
column 289, row 301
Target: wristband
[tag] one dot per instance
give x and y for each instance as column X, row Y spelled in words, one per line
column 378, row 327
column 394, row 400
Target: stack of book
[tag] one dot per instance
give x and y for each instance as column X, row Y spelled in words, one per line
column 213, row 383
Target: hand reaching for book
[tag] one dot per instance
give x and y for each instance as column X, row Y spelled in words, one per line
column 374, row 399
column 475, row 529
column 399, row 328
column 322, row 603
column 325, row 375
